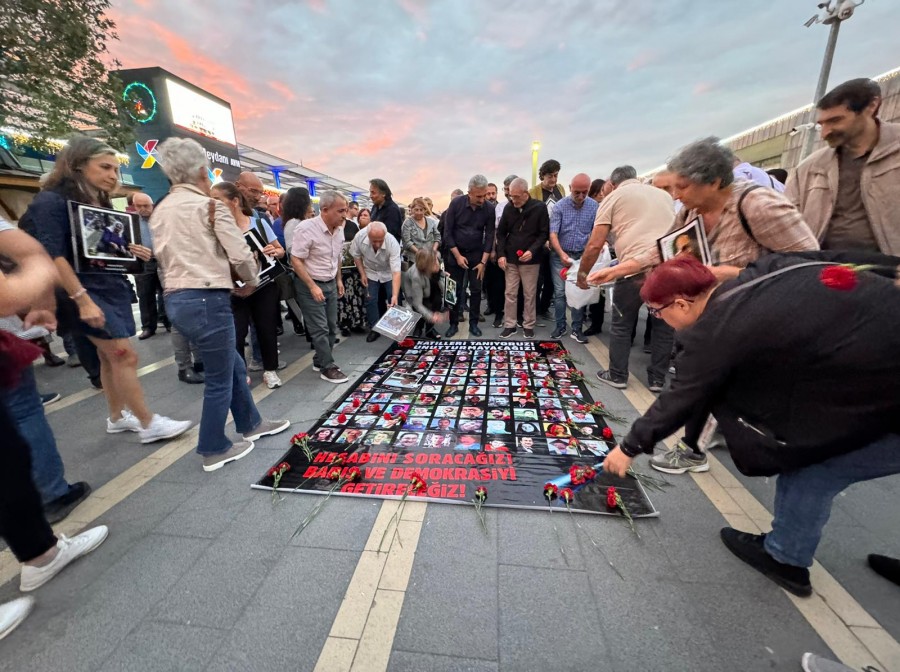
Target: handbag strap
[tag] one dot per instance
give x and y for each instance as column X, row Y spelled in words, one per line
column 742, row 216
column 767, row 276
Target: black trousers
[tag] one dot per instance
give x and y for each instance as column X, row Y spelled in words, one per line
column 596, row 313
column 465, row 278
column 22, row 522
column 260, row 308
column 495, row 287
column 150, row 298
column 545, row 287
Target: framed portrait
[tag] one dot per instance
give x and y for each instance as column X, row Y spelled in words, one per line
column 269, row 268
column 100, row 239
column 346, row 257
column 397, row 323
column 689, row 239
column 449, row 285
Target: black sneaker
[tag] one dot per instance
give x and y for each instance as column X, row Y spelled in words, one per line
column 509, row 331
column 452, row 331
column 529, row 333
column 750, row 548
column 61, row 507
column 50, row 398
column 606, row 377
column 558, row 333
column 656, row 386
column 889, row 568
column 498, row 323
column 474, row 330
column 333, row 375
column 578, row 337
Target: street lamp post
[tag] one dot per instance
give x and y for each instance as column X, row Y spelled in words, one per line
column 832, row 17
column 535, row 148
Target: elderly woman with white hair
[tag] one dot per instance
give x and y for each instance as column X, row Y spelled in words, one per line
column 200, row 250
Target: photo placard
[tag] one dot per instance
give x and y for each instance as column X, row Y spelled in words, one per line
column 689, row 239
column 100, row 239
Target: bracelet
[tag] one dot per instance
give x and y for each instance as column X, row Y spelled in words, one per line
column 81, row 292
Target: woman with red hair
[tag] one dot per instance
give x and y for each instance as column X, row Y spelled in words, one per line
column 803, row 378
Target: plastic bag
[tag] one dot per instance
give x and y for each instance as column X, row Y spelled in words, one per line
column 577, row 297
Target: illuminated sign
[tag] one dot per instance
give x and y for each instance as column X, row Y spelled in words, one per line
column 147, row 152
column 195, row 112
column 140, row 103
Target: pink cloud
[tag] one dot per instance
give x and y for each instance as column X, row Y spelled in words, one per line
column 417, row 9
column 282, row 89
column 642, row 60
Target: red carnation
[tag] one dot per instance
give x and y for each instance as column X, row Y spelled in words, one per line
column 417, row 484
column 402, row 417
column 353, row 474
column 551, row 490
column 563, row 273
column 576, row 473
column 607, row 433
column 481, row 492
column 356, row 402
column 435, row 352
column 567, row 495
column 612, row 497
column 842, row 278
column 590, row 473
column 342, row 418
column 334, row 474
column 375, row 408
column 519, row 253
column 388, row 416
column 407, row 343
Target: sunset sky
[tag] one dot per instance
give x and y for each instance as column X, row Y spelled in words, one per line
column 426, row 93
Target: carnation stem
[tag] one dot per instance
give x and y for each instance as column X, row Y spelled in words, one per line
column 593, row 541
column 318, row 507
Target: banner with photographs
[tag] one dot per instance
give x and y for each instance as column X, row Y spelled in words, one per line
column 100, row 239
column 508, row 415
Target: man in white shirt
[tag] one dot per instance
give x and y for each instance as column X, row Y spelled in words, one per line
column 377, row 257
column 744, row 171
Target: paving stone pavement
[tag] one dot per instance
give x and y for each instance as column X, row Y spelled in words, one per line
column 201, row 573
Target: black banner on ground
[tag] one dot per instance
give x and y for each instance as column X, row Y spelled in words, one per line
column 510, row 416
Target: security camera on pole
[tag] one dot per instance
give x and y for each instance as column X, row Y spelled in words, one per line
column 834, row 12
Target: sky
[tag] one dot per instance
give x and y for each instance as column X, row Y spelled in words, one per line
column 427, row 93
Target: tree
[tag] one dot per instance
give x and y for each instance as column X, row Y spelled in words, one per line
column 55, row 74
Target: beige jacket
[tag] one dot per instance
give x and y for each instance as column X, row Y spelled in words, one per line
column 194, row 252
column 813, row 189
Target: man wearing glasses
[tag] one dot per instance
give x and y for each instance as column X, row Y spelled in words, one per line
column 571, row 223
column 637, row 215
column 316, row 259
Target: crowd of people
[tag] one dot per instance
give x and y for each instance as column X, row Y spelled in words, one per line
column 799, row 378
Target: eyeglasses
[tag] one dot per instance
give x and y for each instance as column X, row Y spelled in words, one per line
column 655, row 312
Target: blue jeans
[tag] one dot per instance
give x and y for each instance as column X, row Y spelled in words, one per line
column 23, row 403
column 204, row 317
column 803, row 497
column 374, row 290
column 559, row 297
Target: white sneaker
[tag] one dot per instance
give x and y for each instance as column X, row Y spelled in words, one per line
column 69, row 550
column 162, row 427
column 254, row 365
column 13, row 613
column 271, row 379
column 127, row 423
